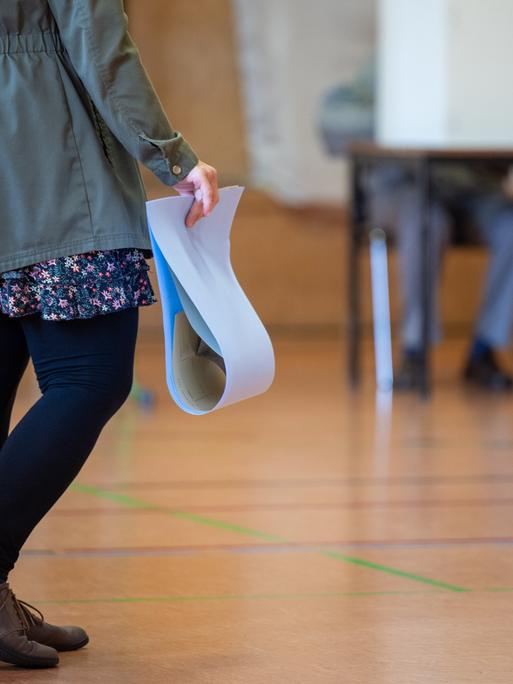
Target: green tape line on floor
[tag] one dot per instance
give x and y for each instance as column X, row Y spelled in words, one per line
column 132, row 502
column 184, row 598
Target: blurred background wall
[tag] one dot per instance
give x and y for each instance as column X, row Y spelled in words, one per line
column 290, row 53
column 462, row 49
column 242, row 80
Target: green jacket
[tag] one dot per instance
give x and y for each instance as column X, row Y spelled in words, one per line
column 76, row 111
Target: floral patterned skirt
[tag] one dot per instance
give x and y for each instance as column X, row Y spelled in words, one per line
column 78, row 286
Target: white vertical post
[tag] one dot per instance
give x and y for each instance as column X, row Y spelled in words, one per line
column 381, row 311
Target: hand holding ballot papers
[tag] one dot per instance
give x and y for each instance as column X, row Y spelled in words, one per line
column 200, row 183
column 217, row 349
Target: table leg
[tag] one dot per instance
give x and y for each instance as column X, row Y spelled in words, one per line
column 356, row 214
column 424, row 180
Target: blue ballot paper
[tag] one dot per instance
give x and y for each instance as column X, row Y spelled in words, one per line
column 217, row 349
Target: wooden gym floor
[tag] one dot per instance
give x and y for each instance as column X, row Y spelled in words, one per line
column 306, row 536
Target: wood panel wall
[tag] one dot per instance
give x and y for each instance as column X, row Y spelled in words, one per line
column 189, row 50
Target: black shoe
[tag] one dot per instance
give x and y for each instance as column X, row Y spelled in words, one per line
column 486, row 373
column 409, row 375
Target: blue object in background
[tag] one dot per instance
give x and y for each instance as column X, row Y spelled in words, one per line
column 381, row 311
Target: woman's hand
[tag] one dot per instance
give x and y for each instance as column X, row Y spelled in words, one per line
column 201, row 183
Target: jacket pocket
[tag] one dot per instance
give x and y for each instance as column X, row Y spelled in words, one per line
column 103, row 132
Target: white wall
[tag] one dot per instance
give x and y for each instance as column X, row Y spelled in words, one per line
column 445, row 72
column 481, row 66
column 412, row 71
column 291, row 52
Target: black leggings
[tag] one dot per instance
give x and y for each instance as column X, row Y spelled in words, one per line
column 84, row 369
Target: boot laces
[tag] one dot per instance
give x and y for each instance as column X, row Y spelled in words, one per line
column 25, row 614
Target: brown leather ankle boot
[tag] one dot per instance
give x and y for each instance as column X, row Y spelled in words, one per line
column 15, row 647
column 60, row 638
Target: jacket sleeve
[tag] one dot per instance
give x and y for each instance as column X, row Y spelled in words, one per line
column 95, row 36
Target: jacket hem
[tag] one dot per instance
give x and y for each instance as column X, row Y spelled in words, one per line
column 116, row 241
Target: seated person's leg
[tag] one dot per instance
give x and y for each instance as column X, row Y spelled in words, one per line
column 494, row 217
column 400, row 211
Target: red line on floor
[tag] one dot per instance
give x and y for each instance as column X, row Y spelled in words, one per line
column 305, row 545
column 347, row 505
column 421, row 480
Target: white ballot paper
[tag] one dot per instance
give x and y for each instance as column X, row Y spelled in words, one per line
column 217, row 349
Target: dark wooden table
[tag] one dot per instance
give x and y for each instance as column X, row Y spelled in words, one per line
column 364, row 155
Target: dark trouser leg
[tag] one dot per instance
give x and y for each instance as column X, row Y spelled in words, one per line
column 399, row 211
column 13, row 361
column 84, row 369
column 494, row 217
column 409, row 245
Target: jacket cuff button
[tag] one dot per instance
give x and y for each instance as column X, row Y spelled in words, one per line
column 177, row 170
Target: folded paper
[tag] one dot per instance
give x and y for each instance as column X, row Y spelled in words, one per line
column 217, row 349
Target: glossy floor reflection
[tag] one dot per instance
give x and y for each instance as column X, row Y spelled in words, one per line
column 308, row 536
